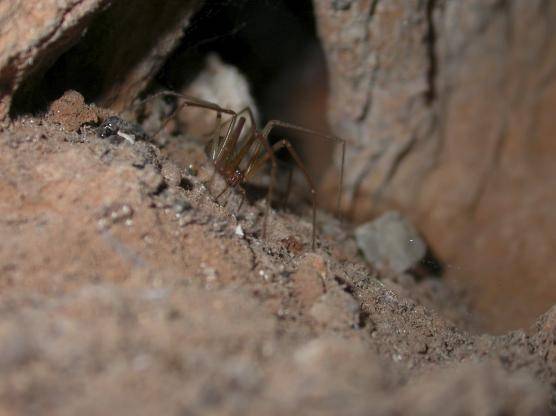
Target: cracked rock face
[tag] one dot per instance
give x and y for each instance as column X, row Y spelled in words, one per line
column 448, row 110
column 115, row 49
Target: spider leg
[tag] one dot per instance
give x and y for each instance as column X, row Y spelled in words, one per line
column 277, row 123
column 243, row 197
column 211, row 179
column 288, row 188
column 250, row 118
column 255, row 164
column 229, row 144
column 286, row 144
column 248, row 142
column 258, row 163
column 253, row 137
column 188, row 101
column 222, row 192
column 215, row 137
column 194, row 102
column 222, row 152
column 221, row 148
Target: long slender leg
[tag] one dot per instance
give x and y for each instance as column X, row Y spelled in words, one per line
column 215, row 137
column 243, row 197
column 255, row 164
column 232, row 164
column 211, row 179
column 222, row 148
column 227, row 148
column 250, row 118
column 277, row 123
column 286, row 144
column 193, row 102
column 222, row 192
column 250, row 139
column 288, row 188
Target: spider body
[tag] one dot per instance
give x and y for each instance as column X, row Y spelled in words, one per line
column 233, row 178
column 238, row 155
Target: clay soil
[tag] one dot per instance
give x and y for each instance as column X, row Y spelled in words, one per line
column 127, row 289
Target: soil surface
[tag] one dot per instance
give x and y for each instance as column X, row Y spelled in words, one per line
column 126, row 288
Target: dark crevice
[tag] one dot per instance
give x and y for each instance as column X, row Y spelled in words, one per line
column 429, row 266
column 186, row 184
column 372, row 9
column 345, row 285
column 349, row 288
column 357, row 187
column 364, row 319
column 402, row 152
column 105, row 56
column 274, row 44
column 430, row 41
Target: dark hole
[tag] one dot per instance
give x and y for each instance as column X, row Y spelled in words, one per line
column 160, row 189
column 275, row 45
column 344, row 284
column 82, row 68
column 363, row 319
column 429, row 266
column 268, row 41
column 186, row 184
column 254, row 192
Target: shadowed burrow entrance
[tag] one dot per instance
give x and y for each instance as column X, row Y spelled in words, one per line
column 274, row 45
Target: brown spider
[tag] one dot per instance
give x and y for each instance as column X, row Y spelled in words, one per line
column 229, row 151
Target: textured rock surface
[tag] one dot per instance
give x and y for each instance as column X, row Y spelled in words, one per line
column 448, row 108
column 118, row 48
column 122, row 278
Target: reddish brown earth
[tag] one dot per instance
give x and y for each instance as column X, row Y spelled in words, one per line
column 126, row 289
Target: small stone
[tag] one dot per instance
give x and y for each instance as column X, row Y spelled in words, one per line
column 217, row 82
column 185, row 220
column 239, row 231
column 181, row 205
column 309, row 280
column 152, row 180
column 264, row 275
column 171, row 174
column 293, row 245
column 341, row 4
column 391, row 241
column 211, row 275
column 422, row 348
column 114, row 214
column 336, row 310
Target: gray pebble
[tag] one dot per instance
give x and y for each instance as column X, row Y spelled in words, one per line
column 391, row 241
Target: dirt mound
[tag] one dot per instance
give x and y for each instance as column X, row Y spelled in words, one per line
column 127, row 289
